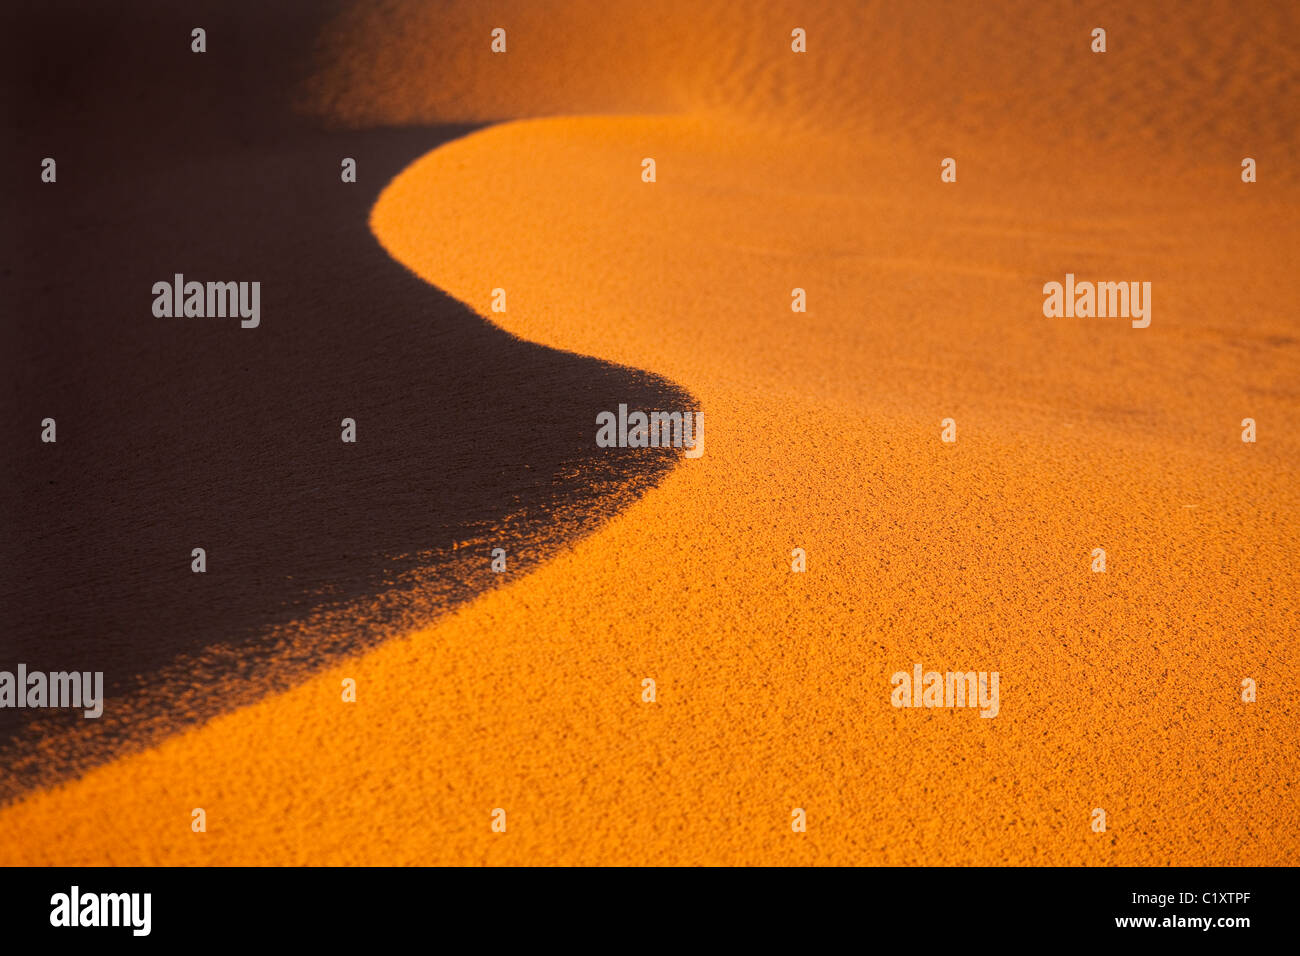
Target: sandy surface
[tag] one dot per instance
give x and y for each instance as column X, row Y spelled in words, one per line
column 1119, row 691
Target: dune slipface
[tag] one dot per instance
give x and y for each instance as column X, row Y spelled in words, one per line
column 224, row 432
column 1119, row 690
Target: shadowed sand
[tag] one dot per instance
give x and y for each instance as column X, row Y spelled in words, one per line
column 183, row 433
column 1118, row 690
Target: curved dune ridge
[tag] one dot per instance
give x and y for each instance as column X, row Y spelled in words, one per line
column 1118, row 691
column 184, row 434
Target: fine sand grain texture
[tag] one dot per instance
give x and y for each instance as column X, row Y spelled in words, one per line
column 1119, row 690
column 186, row 432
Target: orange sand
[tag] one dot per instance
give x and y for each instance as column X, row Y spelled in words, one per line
column 1119, row 691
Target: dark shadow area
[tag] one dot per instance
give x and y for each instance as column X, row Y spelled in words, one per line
column 178, row 433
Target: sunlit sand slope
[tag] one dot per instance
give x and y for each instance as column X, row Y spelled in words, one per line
column 1119, row 690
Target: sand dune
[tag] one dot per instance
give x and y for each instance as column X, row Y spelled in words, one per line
column 195, row 432
column 1176, row 75
column 1119, row 690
